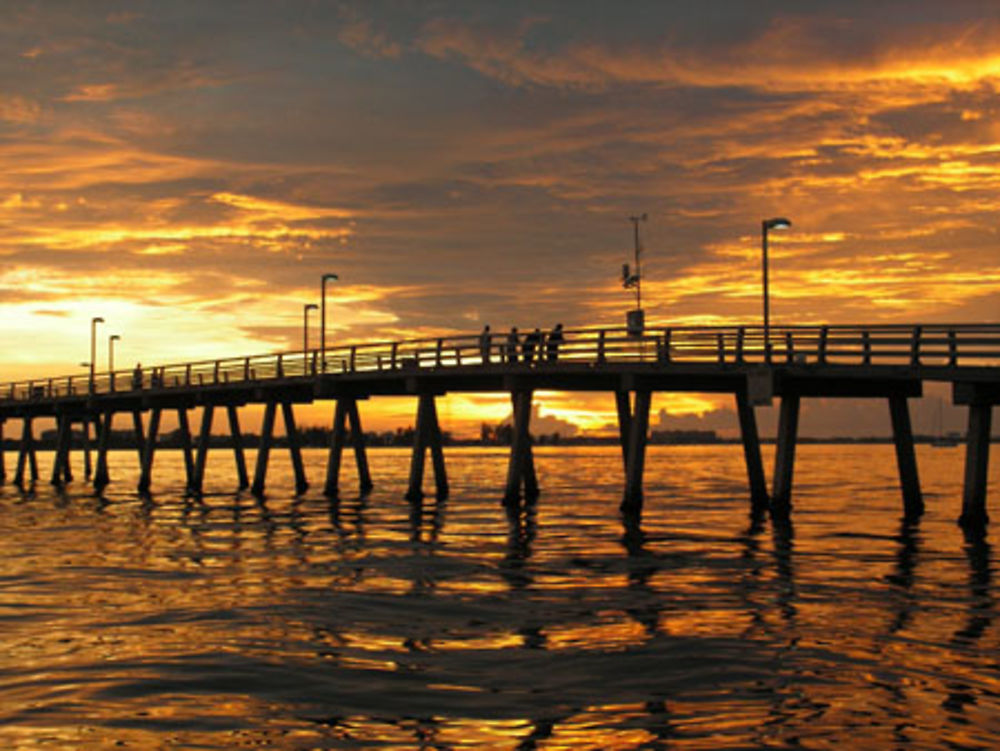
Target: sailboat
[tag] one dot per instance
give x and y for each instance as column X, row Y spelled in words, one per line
column 940, row 438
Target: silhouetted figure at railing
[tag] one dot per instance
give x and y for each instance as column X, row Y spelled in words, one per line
column 137, row 376
column 532, row 341
column 485, row 340
column 513, row 343
column 555, row 339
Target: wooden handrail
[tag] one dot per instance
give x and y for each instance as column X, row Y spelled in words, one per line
column 918, row 345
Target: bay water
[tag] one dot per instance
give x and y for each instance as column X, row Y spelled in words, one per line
column 297, row 622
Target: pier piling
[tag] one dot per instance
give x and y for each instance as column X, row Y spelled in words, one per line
column 784, row 460
column 427, row 435
column 751, row 451
column 637, row 440
column 906, row 459
column 977, row 458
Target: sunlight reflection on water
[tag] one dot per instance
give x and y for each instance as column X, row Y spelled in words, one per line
column 300, row 623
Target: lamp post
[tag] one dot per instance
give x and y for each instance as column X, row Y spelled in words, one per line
column 93, row 347
column 322, row 320
column 111, row 352
column 305, row 336
column 765, row 226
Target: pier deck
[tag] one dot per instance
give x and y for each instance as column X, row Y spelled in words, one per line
column 796, row 362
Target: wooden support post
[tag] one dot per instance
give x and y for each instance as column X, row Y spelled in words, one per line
column 977, row 459
column 185, row 430
column 434, row 442
column 101, row 475
column 624, row 423
column 632, row 498
column 751, row 450
column 237, row 436
column 26, row 455
column 264, row 450
column 336, row 449
column 140, row 433
column 415, row 490
column 427, row 435
column 87, row 469
column 201, row 456
column 149, row 451
column 292, row 436
column 906, row 458
column 358, row 441
column 784, row 460
column 60, row 462
column 520, row 447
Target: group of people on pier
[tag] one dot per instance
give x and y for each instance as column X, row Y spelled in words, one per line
column 533, row 346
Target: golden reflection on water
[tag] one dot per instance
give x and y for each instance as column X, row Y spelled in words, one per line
column 229, row 621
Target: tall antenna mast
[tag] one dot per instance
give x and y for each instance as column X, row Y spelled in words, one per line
column 637, row 283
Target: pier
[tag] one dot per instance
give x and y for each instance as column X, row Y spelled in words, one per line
column 888, row 363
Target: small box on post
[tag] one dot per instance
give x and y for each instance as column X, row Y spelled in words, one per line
column 635, row 322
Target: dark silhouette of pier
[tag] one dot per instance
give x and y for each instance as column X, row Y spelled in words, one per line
column 888, row 362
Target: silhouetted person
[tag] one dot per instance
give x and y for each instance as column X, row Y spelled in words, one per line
column 552, row 346
column 485, row 340
column 532, row 341
column 513, row 342
column 137, row 376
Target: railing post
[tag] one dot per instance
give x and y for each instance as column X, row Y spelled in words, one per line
column 280, row 368
column 215, row 372
column 952, row 348
column 437, row 353
column 600, row 346
column 741, row 333
column 915, row 346
column 378, row 359
column 789, row 347
column 666, row 345
column 866, row 347
column 821, row 354
column 187, row 375
column 395, row 347
column 720, row 340
column 458, row 355
column 354, row 357
column 246, row 369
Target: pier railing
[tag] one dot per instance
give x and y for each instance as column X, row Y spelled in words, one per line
column 914, row 346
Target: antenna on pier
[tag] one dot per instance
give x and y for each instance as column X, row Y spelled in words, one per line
column 635, row 319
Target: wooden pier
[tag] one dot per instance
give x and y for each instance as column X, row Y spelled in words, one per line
column 887, row 363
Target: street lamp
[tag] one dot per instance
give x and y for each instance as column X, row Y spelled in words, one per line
column 111, row 352
column 93, row 347
column 765, row 226
column 322, row 320
column 305, row 336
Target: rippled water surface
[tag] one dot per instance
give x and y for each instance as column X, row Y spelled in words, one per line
column 300, row 623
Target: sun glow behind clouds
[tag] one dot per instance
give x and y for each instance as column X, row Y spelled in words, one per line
column 479, row 166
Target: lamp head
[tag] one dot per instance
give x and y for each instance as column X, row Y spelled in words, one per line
column 777, row 222
column 330, row 276
column 311, row 306
column 114, row 337
column 97, row 319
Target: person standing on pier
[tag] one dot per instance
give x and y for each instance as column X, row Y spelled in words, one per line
column 485, row 340
column 137, row 376
column 552, row 347
column 532, row 341
column 513, row 342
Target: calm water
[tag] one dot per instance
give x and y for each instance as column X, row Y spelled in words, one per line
column 296, row 623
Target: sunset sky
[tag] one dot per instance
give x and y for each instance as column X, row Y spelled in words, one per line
column 188, row 170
